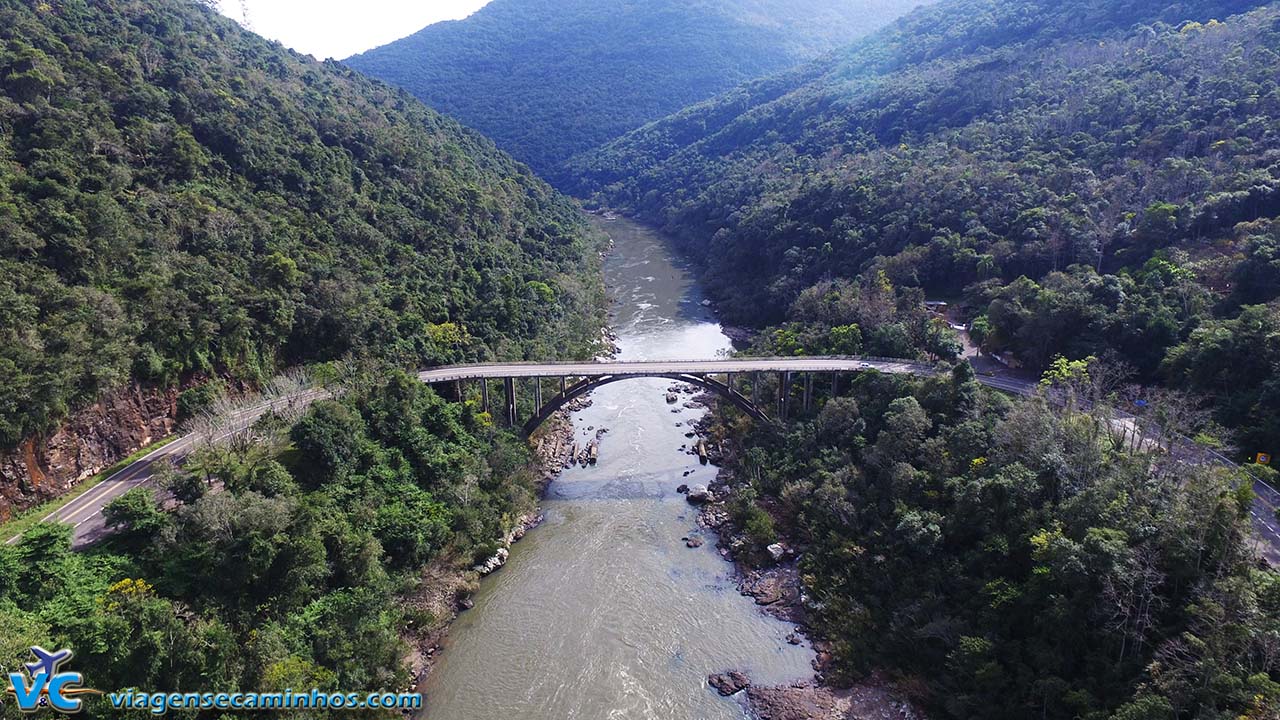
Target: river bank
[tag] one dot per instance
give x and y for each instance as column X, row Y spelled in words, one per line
column 445, row 586
column 628, row 601
column 772, row 578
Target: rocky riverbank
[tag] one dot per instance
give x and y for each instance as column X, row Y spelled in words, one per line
column 445, row 586
column 772, row 578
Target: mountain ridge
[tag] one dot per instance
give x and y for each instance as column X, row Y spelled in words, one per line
column 1102, row 189
column 547, row 80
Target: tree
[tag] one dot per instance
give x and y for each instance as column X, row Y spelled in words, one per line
column 135, row 516
column 980, row 330
column 42, row 556
column 22, row 631
column 186, row 487
column 905, row 426
column 330, row 438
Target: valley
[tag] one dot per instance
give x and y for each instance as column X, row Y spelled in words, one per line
column 422, row 360
column 603, row 611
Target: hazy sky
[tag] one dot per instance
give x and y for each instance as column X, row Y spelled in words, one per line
column 339, row 28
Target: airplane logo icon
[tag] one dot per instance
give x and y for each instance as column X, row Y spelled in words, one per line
column 48, row 685
column 47, row 662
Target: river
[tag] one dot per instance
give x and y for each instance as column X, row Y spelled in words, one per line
column 602, row 613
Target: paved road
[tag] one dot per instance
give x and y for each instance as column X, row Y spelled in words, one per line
column 1266, row 498
column 85, row 512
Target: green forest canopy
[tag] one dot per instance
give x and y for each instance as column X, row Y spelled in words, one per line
column 179, row 196
column 317, row 539
column 1010, row 559
column 1085, row 178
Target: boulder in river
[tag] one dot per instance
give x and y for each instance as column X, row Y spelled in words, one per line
column 729, row 683
column 682, row 489
column 699, row 494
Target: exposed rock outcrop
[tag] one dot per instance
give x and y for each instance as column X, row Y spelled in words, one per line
column 729, row 683
column 94, row 438
column 698, row 494
column 869, row 700
column 498, row 560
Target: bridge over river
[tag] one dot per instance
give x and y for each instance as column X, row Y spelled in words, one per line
column 553, row 385
column 549, row 385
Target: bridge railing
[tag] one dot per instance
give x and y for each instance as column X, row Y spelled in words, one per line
column 739, row 359
column 915, row 366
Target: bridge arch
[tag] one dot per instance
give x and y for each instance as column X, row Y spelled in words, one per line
column 587, row 384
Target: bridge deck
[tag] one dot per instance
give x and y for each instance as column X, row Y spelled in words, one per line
column 671, row 367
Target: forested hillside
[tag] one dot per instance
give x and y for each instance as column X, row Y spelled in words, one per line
column 300, row 570
column 180, row 197
column 1083, row 177
column 547, row 79
column 1011, row 559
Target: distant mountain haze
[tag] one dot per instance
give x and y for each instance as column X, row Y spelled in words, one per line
column 547, row 79
column 338, row 28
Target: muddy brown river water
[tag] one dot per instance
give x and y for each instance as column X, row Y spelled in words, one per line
column 602, row 613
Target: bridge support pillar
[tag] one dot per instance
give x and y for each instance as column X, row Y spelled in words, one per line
column 755, row 388
column 784, row 395
column 537, row 393
column 728, row 381
column 835, row 385
column 563, row 387
column 484, row 394
column 510, row 386
column 808, row 392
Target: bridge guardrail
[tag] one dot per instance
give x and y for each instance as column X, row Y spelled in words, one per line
column 529, row 363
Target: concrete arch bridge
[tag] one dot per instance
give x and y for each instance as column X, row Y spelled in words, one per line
column 737, row 380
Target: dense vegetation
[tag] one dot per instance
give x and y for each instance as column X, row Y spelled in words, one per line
column 829, row 319
column 1012, row 559
column 286, row 578
column 180, row 197
column 547, row 79
column 1083, row 178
